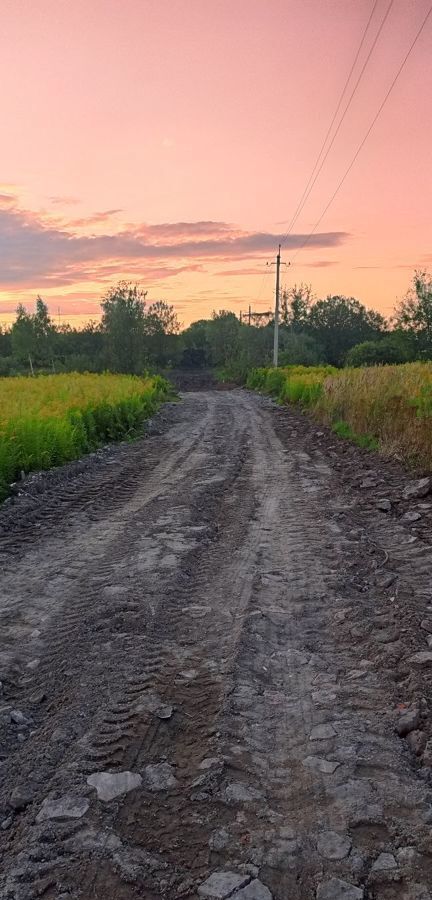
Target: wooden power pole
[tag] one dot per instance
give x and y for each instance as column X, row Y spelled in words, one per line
column 276, row 318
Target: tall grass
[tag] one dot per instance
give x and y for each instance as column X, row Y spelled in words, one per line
column 384, row 407
column 52, row 419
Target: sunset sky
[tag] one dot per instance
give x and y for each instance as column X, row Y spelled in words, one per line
column 170, row 143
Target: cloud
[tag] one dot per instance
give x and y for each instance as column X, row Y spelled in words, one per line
column 95, row 219
column 64, row 200
column 246, row 271
column 320, row 264
column 37, row 252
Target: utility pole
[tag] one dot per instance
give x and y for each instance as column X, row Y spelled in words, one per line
column 276, row 318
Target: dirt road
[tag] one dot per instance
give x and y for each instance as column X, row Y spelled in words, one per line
column 221, row 611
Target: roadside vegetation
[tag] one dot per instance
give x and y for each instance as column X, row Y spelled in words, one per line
column 387, row 408
column 52, row 419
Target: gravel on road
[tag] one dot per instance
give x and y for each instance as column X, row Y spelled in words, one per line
column 216, row 667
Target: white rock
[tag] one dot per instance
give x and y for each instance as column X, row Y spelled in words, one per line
column 384, row 862
column 219, row 839
column 160, row 777
column 322, row 733
column 113, row 784
column 241, row 793
column 423, row 659
column 256, row 890
column 64, row 808
column 333, row 846
column 416, row 489
column 222, row 884
column 336, row 889
column 318, row 764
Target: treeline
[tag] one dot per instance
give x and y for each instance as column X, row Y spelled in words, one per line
column 337, row 331
column 133, row 336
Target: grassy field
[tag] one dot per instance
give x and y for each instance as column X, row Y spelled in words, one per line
column 388, row 408
column 51, row 419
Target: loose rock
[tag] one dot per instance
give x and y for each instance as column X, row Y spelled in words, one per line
column 165, row 712
column 322, row 733
column 222, row 884
column 237, row 792
column 416, row 740
column 160, row 777
column 318, row 764
column 415, row 489
column 113, row 784
column 384, row 505
column 219, row 839
column 411, row 516
column 336, row 889
column 20, row 798
column 63, row 808
column 384, row 863
column 427, row 755
column 407, row 722
column 422, row 659
column 256, row 890
column 331, row 845
column 19, row 718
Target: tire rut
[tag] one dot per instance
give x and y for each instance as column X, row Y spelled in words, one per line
column 216, row 625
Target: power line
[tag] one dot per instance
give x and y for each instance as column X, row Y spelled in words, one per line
column 334, row 117
column 361, row 145
column 314, row 177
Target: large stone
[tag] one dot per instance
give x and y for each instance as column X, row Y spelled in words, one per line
column 64, row 808
column 427, row 755
column 416, row 740
column 160, row 777
column 384, row 863
column 336, row 889
column 422, row 659
column 407, row 722
column 256, row 890
column 222, row 884
column 110, row 785
column 20, row 798
column 384, row 504
column 318, row 764
column 219, row 839
column 426, row 624
column 331, row 845
column 237, row 792
column 411, row 516
column 415, row 489
column 322, row 732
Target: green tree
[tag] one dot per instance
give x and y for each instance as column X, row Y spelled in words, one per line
column 296, row 305
column 339, row 323
column 23, row 338
column 44, row 331
column 299, row 349
column 196, row 348
column 223, row 335
column 414, row 313
column 123, row 327
column 392, row 349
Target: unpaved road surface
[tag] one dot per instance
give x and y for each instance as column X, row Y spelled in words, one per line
column 222, row 612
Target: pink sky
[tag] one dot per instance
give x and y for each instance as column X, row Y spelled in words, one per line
column 170, row 143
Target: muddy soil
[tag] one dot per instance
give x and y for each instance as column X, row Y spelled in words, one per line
column 216, row 668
